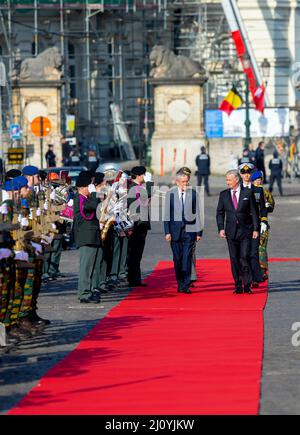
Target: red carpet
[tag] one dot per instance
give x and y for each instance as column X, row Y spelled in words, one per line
column 160, row 352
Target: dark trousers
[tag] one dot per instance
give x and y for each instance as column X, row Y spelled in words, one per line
column 90, row 261
column 278, row 178
column 136, row 247
column 254, row 257
column 205, row 178
column 182, row 257
column 239, row 252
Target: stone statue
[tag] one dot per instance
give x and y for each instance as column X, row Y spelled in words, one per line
column 44, row 67
column 165, row 64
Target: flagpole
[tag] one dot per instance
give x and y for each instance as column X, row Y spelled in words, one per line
column 247, row 121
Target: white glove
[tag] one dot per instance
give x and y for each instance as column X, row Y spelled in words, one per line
column 46, row 240
column 263, row 228
column 91, row 188
column 53, row 195
column 4, row 209
column 70, row 203
column 21, row 255
column 53, row 226
column 148, row 177
column 268, row 205
column 24, row 222
column 5, row 253
column 46, row 205
column 38, row 248
column 38, row 212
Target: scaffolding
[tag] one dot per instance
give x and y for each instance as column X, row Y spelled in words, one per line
column 105, row 46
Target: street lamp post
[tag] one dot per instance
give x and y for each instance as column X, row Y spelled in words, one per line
column 247, row 64
column 265, row 67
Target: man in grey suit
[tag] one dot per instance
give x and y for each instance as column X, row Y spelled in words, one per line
column 182, row 227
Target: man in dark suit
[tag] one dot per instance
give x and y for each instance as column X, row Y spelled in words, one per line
column 182, row 228
column 238, row 222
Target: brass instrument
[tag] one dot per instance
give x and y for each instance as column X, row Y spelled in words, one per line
column 106, row 220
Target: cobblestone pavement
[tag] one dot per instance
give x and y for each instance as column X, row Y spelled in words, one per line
column 21, row 367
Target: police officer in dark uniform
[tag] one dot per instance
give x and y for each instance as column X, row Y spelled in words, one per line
column 275, row 167
column 203, row 171
column 245, row 158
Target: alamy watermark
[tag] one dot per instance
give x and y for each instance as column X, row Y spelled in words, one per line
column 296, row 335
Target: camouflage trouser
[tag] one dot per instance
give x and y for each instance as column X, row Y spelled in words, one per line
column 4, row 289
column 21, row 275
column 26, row 305
column 7, row 291
column 37, row 283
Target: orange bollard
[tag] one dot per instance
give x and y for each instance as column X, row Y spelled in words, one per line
column 162, row 172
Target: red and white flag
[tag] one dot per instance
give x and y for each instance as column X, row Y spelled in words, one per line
column 259, row 98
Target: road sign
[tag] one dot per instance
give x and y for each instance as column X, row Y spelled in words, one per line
column 15, row 132
column 15, row 156
column 41, row 126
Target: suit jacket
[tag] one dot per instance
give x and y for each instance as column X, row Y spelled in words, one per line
column 241, row 222
column 86, row 223
column 173, row 222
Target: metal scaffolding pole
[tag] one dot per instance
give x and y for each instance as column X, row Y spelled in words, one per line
column 88, row 65
column 62, row 49
column 36, row 35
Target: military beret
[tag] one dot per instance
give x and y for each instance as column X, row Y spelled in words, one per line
column 30, row 170
column 13, row 173
column 16, row 183
column 138, row 170
column 84, row 179
column 99, row 177
column 246, row 168
column 256, row 175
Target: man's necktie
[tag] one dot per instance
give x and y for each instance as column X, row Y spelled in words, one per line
column 234, row 200
column 182, row 206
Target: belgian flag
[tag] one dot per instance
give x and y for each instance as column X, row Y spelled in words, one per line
column 232, row 101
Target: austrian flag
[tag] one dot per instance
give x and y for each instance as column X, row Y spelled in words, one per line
column 259, row 98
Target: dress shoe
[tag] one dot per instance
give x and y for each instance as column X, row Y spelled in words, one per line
column 187, row 291
column 180, row 289
column 15, row 332
column 30, row 326
column 248, row 290
column 255, row 284
column 92, row 299
column 37, row 319
column 97, row 292
column 238, row 291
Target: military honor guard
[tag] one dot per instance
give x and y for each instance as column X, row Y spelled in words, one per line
column 138, row 201
column 246, row 170
column 87, row 238
column 257, row 180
